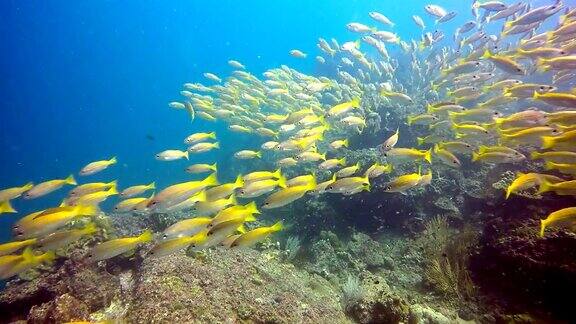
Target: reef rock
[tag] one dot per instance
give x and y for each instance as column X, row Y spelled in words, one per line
column 230, row 286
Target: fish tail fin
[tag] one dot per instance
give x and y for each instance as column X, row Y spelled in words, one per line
column 544, row 187
column 258, row 154
column 28, row 186
column 277, row 174
column 542, row 227
column 146, row 237
column 200, row 197
column 281, row 181
column 429, row 107
column 232, row 200
column 112, row 191
column 252, row 208
column 536, row 95
column 216, row 145
column 410, row 120
column 420, row 140
column 487, row 54
column 356, row 102
column 313, row 182
column 89, row 228
column 475, row 156
column 541, row 65
column 211, row 180
column 342, row 161
column 28, row 254
column 70, row 180
column 114, row 183
column 535, row 155
column 214, row 167
column 6, row 207
column 239, row 182
column 548, row 165
column 509, row 191
column 242, row 229
column 547, row 142
column 345, row 143
column 428, row 156
column 276, row 227
column 212, row 135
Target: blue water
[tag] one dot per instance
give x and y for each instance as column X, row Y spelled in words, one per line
column 88, row 80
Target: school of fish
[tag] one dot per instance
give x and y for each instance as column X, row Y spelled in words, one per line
column 500, row 91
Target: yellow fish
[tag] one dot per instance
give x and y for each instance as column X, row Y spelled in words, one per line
column 88, row 188
column 180, row 192
column 6, row 207
column 52, row 219
column 409, row 154
column 526, row 181
column 97, row 166
column 559, row 217
column 47, row 187
column 112, row 248
column 199, row 137
column 57, row 240
column 224, row 190
column 403, row 182
column 10, row 247
column 243, row 213
column 564, row 188
column 25, row 262
column 11, row 193
column 212, row 207
column 170, row 246
column 136, row 190
column 256, row 235
column 344, row 107
column 288, row 195
column 187, row 227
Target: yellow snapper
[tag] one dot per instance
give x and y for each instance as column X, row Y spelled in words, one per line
column 256, row 235
column 112, row 248
column 47, row 187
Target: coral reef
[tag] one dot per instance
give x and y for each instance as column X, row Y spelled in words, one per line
column 219, row 286
column 378, row 304
column 520, row 271
column 446, row 257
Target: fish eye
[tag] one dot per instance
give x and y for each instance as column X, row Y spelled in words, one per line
column 151, row 252
column 554, row 131
column 90, row 255
column 164, row 236
column 542, row 88
column 454, row 162
column 468, row 145
column 519, row 70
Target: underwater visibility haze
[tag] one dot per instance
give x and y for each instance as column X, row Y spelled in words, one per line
column 288, row 161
